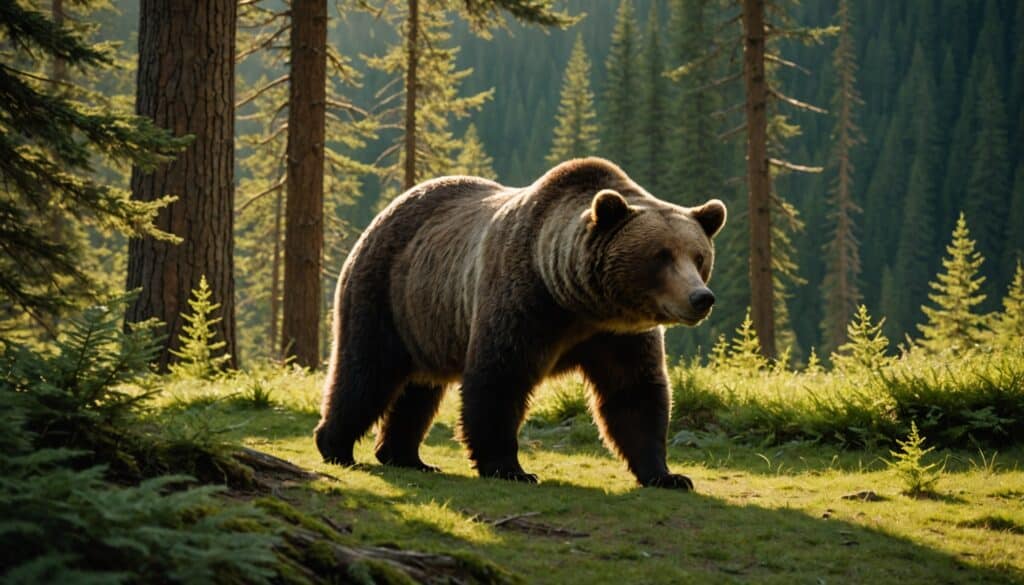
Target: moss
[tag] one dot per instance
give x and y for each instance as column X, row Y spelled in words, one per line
column 483, row 570
column 379, row 573
column 288, row 513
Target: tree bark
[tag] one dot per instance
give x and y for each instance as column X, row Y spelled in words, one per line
column 304, row 225
column 186, row 83
column 759, row 182
column 275, row 277
column 412, row 60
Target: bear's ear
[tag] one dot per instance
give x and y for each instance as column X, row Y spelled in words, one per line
column 710, row 216
column 608, row 208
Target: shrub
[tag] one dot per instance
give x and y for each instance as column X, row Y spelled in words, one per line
column 200, row 355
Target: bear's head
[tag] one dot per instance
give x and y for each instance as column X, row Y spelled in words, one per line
column 654, row 259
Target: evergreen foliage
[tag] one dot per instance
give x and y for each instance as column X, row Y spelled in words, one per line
column 988, row 185
column 620, row 122
column 744, row 349
column 473, row 159
column 865, row 347
column 200, row 354
column 576, row 129
column 439, row 100
column 652, row 108
column 51, row 144
column 842, row 251
column 919, row 479
column 1008, row 326
column 952, row 323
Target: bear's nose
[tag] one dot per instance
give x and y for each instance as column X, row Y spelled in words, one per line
column 702, row 299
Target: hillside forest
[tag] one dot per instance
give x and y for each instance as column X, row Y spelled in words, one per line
column 181, row 183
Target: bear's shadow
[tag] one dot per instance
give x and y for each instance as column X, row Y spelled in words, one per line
column 740, row 540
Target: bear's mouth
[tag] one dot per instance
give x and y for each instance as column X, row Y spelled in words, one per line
column 679, row 318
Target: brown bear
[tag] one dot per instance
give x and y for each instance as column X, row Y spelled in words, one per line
column 463, row 279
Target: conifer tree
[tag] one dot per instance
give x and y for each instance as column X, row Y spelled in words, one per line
column 473, row 159
column 438, row 100
column 1008, row 326
column 50, row 147
column 912, row 263
column 576, row 129
column 620, row 123
column 744, row 349
column 988, row 186
column 200, row 101
column 952, row 323
column 1013, row 246
column 694, row 146
column 842, row 254
column 201, row 354
column 865, row 346
column 653, row 134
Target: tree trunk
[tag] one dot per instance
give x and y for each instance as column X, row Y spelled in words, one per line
column 59, row 73
column 275, row 277
column 759, row 180
column 304, row 222
column 412, row 60
column 186, row 83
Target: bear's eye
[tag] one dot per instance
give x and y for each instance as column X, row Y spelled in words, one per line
column 699, row 261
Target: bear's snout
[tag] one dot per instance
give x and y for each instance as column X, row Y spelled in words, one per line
column 702, row 299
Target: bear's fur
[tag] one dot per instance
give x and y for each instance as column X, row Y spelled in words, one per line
column 463, row 279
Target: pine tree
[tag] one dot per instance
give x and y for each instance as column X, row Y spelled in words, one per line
column 473, row 160
column 988, row 186
column 865, row 346
column 651, row 162
column 912, row 263
column 952, row 323
column 1013, row 246
column 51, row 146
column 621, row 135
column 1008, row 326
column 201, row 354
column 694, row 148
column 438, row 101
column 201, row 102
column 575, row 130
column 744, row 350
column 304, row 203
column 842, row 254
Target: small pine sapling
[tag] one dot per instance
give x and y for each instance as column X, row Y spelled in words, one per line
column 744, row 350
column 1008, row 326
column 918, row 479
column 200, row 356
column 865, row 347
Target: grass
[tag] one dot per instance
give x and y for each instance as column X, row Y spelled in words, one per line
column 768, row 507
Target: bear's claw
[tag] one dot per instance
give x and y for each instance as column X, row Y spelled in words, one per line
column 671, row 481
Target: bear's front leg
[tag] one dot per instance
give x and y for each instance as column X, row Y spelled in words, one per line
column 632, row 402
column 493, row 406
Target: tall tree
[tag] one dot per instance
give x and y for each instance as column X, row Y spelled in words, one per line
column 620, row 123
column 759, row 182
column 50, row 145
column 989, row 180
column 694, row 145
column 653, row 133
column 186, row 83
column 842, row 254
column 304, row 204
column 575, row 130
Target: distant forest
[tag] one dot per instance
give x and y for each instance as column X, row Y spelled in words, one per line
column 942, row 84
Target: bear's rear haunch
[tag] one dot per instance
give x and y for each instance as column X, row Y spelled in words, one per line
column 463, row 279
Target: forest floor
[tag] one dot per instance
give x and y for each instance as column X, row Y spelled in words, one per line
column 796, row 513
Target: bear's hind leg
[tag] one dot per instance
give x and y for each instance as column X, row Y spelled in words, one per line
column 406, row 424
column 360, row 387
